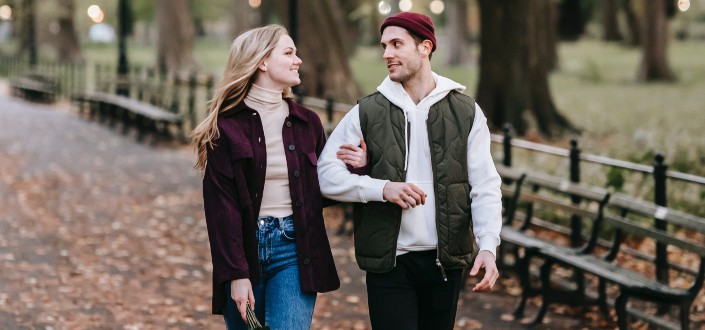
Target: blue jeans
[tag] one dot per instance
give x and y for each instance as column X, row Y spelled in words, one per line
column 279, row 301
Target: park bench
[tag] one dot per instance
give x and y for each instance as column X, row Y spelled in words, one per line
column 561, row 202
column 604, row 254
column 35, row 88
column 154, row 111
column 677, row 233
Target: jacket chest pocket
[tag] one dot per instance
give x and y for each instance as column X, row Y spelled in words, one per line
column 241, row 152
column 309, row 164
column 242, row 158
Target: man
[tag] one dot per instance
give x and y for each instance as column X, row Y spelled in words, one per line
column 430, row 168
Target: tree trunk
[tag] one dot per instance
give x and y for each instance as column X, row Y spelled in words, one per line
column 322, row 47
column 541, row 58
column 632, row 22
column 551, row 35
column 513, row 68
column 67, row 45
column 571, row 20
column 375, row 21
column 175, row 37
column 654, row 62
column 610, row 9
column 457, row 25
column 241, row 18
column 27, row 27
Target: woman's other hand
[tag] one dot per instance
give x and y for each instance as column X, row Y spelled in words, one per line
column 241, row 292
column 355, row 156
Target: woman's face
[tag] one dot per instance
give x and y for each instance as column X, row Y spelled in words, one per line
column 280, row 69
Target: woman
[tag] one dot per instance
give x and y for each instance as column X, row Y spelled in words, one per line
column 258, row 150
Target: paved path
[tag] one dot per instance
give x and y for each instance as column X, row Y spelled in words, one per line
column 98, row 231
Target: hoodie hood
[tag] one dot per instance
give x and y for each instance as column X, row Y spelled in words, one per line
column 395, row 93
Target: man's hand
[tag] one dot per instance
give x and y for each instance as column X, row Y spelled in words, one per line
column 353, row 155
column 485, row 260
column 403, row 194
column 241, row 292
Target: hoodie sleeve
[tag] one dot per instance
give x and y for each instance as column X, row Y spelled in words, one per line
column 336, row 180
column 486, row 183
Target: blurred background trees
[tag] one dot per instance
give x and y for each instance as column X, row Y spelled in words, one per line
column 511, row 47
column 175, row 24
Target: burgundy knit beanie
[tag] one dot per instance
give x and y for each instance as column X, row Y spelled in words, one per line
column 417, row 24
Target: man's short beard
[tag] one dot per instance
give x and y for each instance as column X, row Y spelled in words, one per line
column 404, row 78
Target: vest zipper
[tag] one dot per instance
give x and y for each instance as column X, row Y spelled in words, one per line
column 443, row 272
column 435, row 181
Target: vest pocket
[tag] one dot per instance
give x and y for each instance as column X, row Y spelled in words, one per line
column 460, row 234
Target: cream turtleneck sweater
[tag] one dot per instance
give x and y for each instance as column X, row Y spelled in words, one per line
column 276, row 199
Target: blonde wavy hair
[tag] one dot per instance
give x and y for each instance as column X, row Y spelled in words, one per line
column 246, row 53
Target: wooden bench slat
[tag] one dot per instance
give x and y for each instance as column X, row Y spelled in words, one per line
column 659, row 235
column 611, row 272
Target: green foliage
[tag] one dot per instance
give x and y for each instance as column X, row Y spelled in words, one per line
column 615, row 178
column 592, row 72
column 143, row 10
column 646, row 157
column 211, row 9
column 688, row 159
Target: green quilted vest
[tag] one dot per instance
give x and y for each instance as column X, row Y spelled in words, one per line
column 377, row 224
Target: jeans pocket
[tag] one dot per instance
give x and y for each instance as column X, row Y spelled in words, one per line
column 288, row 234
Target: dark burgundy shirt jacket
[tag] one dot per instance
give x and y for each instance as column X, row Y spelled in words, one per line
column 232, row 195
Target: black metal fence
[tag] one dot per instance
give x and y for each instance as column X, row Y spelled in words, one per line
column 183, row 93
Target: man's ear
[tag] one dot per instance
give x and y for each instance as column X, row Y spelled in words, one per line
column 427, row 46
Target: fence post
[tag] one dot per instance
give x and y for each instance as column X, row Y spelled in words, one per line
column 210, row 81
column 661, row 261
column 575, row 221
column 507, row 144
column 97, row 79
column 192, row 82
column 329, row 114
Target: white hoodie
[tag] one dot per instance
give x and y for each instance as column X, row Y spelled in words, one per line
column 418, row 225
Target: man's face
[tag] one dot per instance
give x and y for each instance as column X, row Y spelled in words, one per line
column 401, row 53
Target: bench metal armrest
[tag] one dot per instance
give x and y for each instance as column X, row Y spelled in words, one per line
column 596, row 226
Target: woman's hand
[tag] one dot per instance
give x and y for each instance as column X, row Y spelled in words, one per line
column 353, row 155
column 241, row 292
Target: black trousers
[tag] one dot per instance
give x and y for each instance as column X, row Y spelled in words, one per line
column 414, row 295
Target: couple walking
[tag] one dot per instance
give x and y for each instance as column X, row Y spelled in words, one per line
column 415, row 156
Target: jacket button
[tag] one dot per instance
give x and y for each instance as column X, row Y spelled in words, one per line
column 292, row 147
column 288, row 124
column 298, row 204
column 306, row 261
column 296, row 173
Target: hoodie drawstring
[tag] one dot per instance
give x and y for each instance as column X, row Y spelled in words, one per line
column 406, row 133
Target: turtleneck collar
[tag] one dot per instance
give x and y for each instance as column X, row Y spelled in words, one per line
column 262, row 99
